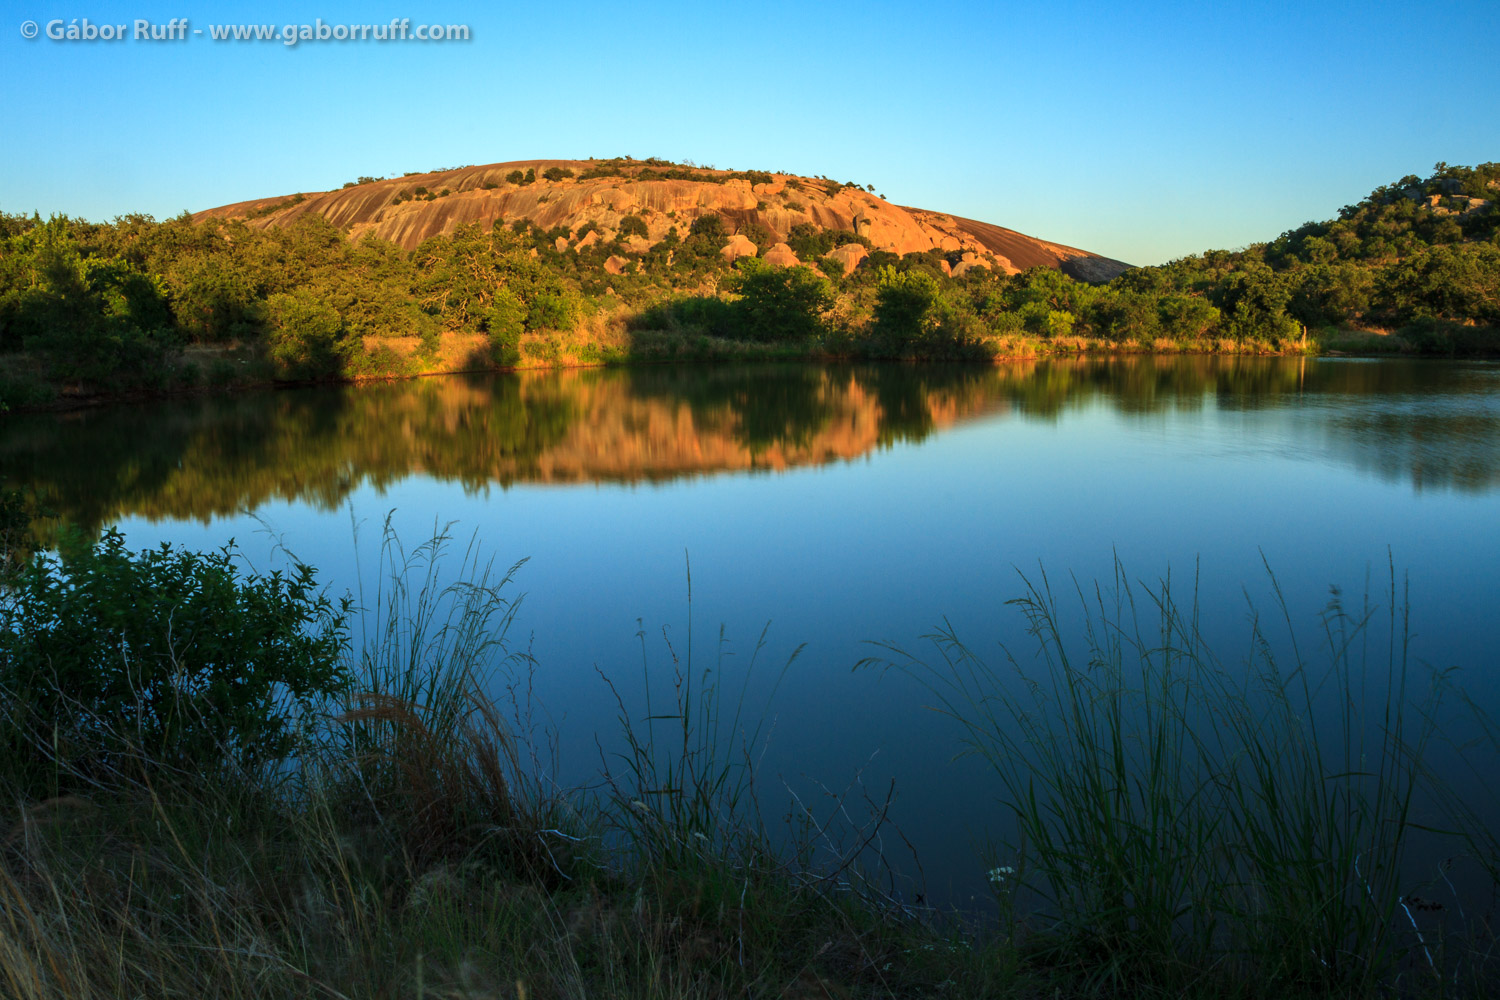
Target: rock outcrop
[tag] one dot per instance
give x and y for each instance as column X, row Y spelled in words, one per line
column 408, row 210
column 781, row 255
column 739, row 246
column 849, row 255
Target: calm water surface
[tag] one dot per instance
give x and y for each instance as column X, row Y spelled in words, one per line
column 830, row 506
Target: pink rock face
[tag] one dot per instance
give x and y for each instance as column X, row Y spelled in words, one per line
column 969, row 262
column 481, row 196
column 738, row 246
column 781, row 255
column 850, row 254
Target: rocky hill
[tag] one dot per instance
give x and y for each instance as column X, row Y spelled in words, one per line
column 656, row 197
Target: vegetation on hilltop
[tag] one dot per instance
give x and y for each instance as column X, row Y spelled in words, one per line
column 126, row 303
column 1422, row 256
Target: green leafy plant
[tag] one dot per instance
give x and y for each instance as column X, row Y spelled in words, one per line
column 165, row 659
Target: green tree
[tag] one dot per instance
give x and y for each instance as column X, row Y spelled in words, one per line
column 905, row 305
column 779, row 303
column 634, row 225
column 505, row 321
column 305, row 335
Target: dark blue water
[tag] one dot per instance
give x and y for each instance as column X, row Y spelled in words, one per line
column 834, row 506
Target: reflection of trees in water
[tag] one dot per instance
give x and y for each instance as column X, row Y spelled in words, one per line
column 1433, row 450
column 788, row 406
column 1144, row 384
column 913, row 398
column 213, row 456
column 1437, row 424
column 1433, row 423
column 759, row 406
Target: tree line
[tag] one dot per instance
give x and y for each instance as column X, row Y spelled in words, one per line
column 118, row 302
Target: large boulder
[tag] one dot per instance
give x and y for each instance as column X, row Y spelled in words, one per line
column 739, row 245
column 589, row 239
column 849, row 255
column 968, row 262
column 615, row 264
column 781, row 255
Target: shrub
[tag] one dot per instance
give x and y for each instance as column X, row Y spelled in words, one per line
column 166, row 656
column 19, row 511
column 552, row 311
column 810, row 241
column 833, row 267
column 556, row 173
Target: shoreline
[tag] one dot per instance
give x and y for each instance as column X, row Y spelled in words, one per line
column 68, row 399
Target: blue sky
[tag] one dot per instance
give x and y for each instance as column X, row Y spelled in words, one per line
column 1143, row 132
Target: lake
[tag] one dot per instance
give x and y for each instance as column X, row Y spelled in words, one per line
column 828, row 506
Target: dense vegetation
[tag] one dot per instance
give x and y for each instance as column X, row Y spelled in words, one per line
column 137, row 302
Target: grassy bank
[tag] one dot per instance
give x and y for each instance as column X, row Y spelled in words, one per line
column 1185, row 827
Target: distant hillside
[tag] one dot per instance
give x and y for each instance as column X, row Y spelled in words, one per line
column 576, row 195
column 1419, row 258
column 553, row 263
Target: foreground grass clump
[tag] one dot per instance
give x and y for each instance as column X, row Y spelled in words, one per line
column 1186, row 825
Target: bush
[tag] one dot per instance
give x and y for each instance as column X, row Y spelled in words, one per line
column 551, row 311
column 167, row 659
column 810, row 241
column 19, row 510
